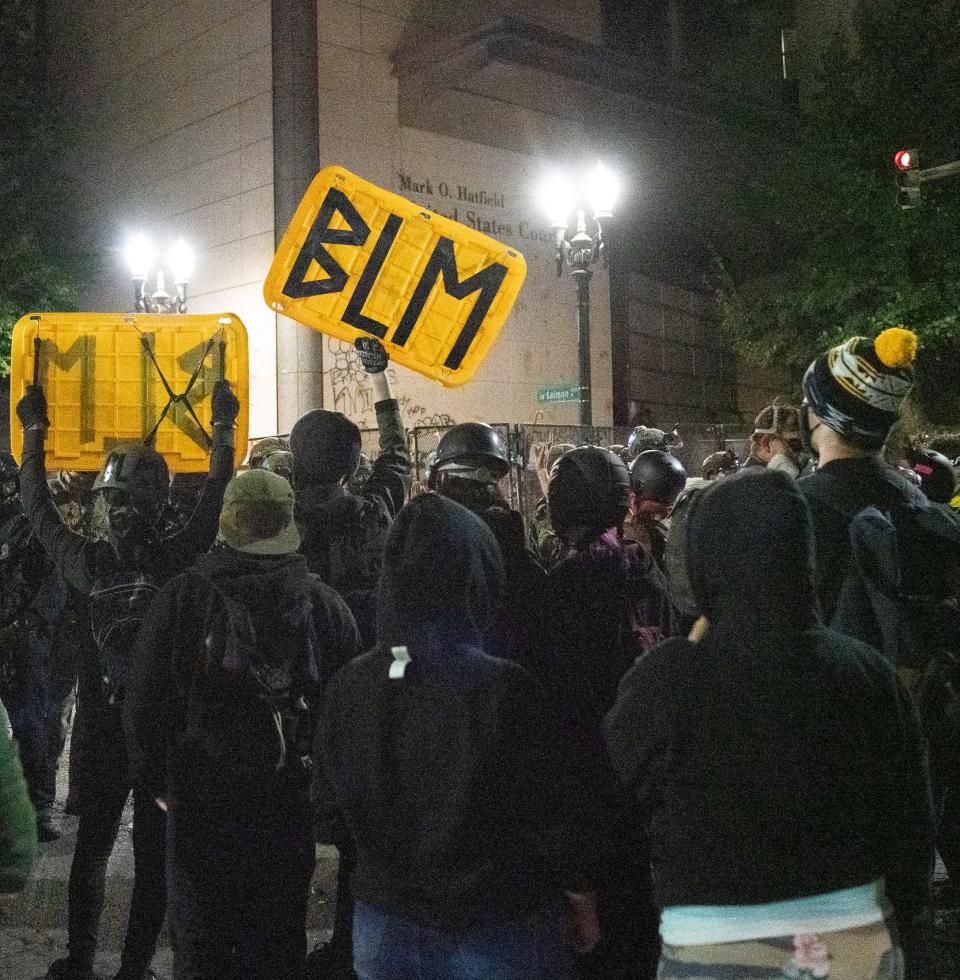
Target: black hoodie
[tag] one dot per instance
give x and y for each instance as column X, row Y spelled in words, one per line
column 446, row 775
column 196, row 727
column 774, row 759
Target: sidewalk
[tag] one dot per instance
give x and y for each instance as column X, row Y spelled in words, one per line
column 33, row 925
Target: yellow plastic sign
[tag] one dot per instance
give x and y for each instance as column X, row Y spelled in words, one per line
column 115, row 377
column 359, row 260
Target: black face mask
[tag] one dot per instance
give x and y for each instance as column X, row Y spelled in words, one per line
column 130, row 527
column 807, row 431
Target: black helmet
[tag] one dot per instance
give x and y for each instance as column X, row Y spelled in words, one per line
column 137, row 469
column 656, row 475
column 472, row 451
column 589, row 489
column 937, row 477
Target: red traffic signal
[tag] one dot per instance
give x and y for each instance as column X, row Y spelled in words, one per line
column 905, row 159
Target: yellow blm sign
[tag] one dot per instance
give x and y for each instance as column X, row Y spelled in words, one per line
column 360, row 260
column 113, row 377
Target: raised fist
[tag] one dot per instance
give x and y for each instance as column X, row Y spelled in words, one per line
column 225, row 405
column 32, row 408
column 373, row 357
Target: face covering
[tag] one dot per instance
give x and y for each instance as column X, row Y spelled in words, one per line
column 785, row 464
column 807, row 431
column 130, row 529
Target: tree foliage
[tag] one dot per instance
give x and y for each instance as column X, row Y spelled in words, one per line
column 820, row 250
column 40, row 268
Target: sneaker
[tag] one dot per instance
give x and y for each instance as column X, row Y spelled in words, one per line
column 68, row 969
column 47, row 828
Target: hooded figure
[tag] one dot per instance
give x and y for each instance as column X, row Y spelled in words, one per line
column 220, row 717
column 439, row 759
column 740, row 753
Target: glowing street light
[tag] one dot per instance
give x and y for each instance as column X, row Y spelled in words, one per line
column 140, row 255
column 559, row 199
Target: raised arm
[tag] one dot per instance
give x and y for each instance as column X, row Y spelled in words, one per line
column 390, row 479
column 71, row 552
column 200, row 531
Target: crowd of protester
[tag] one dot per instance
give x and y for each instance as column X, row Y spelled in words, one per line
column 683, row 725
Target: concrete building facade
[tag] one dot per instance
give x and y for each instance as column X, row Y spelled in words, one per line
column 205, row 118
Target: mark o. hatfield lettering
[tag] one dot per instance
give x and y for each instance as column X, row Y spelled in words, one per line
column 441, row 265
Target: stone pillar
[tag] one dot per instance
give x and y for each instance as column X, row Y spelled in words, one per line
column 296, row 160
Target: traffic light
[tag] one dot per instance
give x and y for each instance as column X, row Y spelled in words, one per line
column 908, row 189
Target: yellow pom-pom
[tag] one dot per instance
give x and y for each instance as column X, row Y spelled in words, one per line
column 896, row 347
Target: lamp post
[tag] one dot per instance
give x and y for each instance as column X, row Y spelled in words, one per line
column 560, row 199
column 140, row 255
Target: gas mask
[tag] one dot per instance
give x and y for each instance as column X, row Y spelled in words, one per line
column 131, row 525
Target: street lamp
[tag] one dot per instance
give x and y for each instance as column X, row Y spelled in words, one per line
column 559, row 199
column 140, row 254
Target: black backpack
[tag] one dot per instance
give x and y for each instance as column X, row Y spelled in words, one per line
column 118, row 605
column 249, row 711
column 917, row 632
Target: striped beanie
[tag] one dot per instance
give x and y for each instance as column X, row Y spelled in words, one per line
column 858, row 388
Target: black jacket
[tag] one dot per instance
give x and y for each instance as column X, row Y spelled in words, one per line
column 839, row 490
column 343, row 533
column 196, row 725
column 774, row 759
column 607, row 609
column 448, row 777
column 82, row 561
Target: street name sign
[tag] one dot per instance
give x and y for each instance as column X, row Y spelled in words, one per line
column 553, row 394
column 115, row 377
column 360, row 260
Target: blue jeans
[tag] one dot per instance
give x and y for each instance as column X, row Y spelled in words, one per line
column 388, row 947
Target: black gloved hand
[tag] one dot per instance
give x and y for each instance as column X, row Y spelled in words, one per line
column 226, row 405
column 32, row 408
column 373, row 357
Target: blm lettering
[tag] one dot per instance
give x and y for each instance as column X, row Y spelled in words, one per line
column 441, row 265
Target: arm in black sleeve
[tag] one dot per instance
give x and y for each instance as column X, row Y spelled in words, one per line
column 200, row 531
column 390, row 479
column 910, row 845
column 152, row 708
column 71, row 552
column 636, row 727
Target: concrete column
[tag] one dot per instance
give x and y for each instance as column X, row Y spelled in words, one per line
column 296, row 160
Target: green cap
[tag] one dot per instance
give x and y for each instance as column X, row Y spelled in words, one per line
column 257, row 514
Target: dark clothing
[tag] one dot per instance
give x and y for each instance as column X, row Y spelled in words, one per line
column 609, row 606
column 101, row 809
column 197, row 728
column 773, row 759
column 86, row 565
column 343, row 534
column 220, row 717
column 239, row 880
column 84, row 562
column 535, row 947
column 746, row 756
column 29, row 604
column 445, row 772
column 446, row 783
column 839, row 490
column 520, row 630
